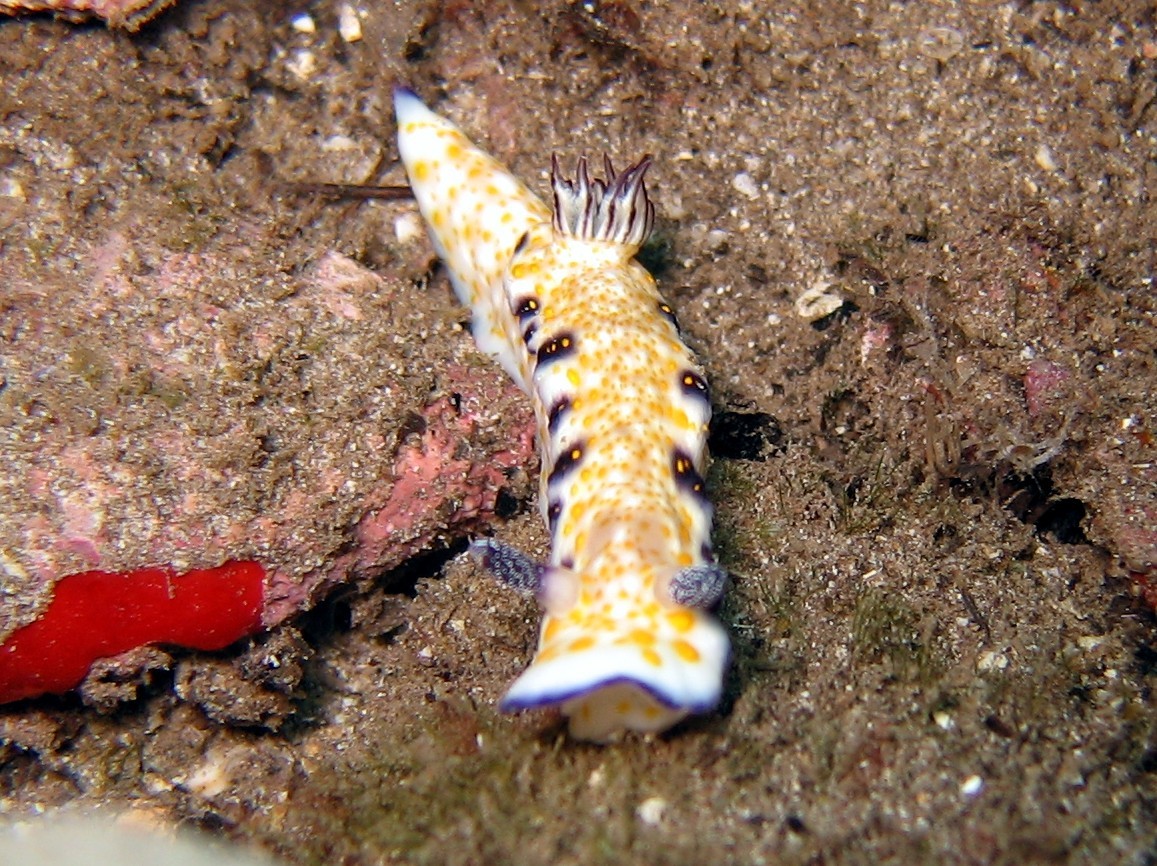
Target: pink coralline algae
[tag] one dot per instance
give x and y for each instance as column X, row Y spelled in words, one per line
column 127, row 14
column 1044, row 386
column 437, row 489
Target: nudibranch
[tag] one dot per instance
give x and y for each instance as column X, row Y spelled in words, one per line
column 628, row 640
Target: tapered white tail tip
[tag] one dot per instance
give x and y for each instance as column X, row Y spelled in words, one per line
column 409, row 107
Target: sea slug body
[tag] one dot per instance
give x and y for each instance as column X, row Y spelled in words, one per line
column 628, row 640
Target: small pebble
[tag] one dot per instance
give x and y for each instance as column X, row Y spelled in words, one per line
column 651, row 811
column 715, row 239
column 745, row 184
column 303, row 23
column 349, row 26
column 408, row 228
column 972, row 786
column 991, row 661
column 12, row 188
column 1044, row 158
column 302, row 64
column 209, row 779
column 817, row 302
column 941, row 43
column 333, row 143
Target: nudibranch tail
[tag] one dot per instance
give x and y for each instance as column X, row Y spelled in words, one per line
column 476, row 212
column 628, row 640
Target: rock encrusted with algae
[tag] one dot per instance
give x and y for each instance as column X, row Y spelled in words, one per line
column 126, row 14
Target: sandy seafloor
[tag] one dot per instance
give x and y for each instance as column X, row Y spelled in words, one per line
column 938, row 501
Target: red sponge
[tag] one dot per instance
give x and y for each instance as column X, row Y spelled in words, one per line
column 98, row 614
